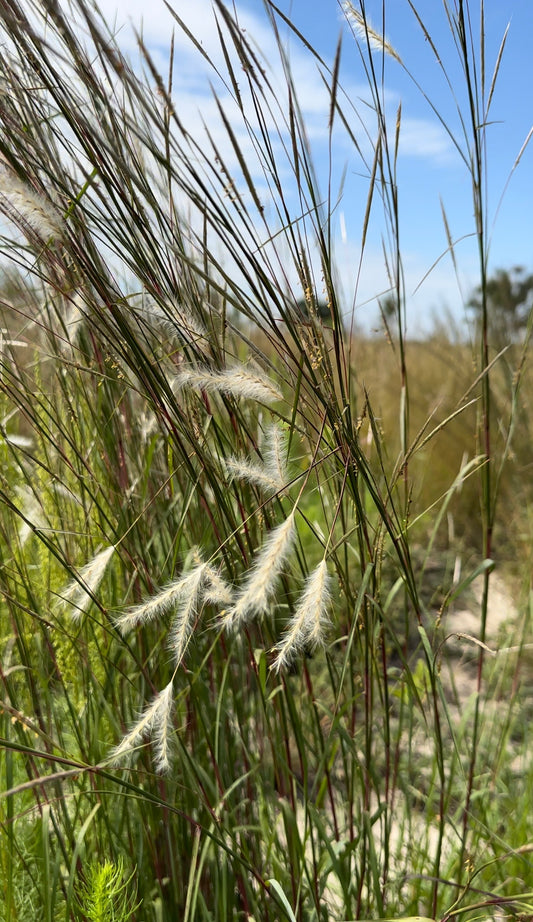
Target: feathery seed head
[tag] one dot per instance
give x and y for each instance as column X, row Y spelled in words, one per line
column 187, row 610
column 216, row 590
column 275, row 455
column 32, row 510
column 306, row 627
column 260, row 584
column 156, row 720
column 26, row 208
column 160, row 604
column 235, row 382
column 366, row 33
column 147, row 611
column 174, row 320
column 80, row 592
column 251, row 473
column 240, row 382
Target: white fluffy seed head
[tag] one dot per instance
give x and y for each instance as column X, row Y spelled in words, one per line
column 307, row 626
column 276, row 455
column 79, row 593
column 236, row 382
column 216, row 590
column 155, row 721
column 269, row 476
column 173, row 320
column 366, row 33
column 186, row 613
column 160, row 604
column 251, row 473
column 25, row 207
column 33, row 513
column 153, row 608
column 260, row 584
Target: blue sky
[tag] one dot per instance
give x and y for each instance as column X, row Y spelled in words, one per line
column 429, row 168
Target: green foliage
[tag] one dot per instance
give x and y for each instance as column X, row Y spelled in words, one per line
column 510, row 298
column 105, row 895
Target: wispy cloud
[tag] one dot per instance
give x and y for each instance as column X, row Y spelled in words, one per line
column 428, row 139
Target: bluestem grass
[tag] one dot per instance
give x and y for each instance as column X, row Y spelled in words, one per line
column 155, row 723
column 334, row 742
column 237, row 381
column 80, row 592
column 19, row 201
column 255, row 596
column 306, row 628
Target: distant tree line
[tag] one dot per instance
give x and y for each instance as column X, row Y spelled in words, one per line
column 509, row 294
column 509, row 298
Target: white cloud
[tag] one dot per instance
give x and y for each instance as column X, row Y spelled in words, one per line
column 420, row 137
column 156, row 23
column 431, row 287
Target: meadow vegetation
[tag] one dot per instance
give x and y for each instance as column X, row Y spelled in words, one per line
column 233, row 531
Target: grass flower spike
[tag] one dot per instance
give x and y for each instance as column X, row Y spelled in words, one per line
column 276, row 456
column 155, row 721
column 272, row 474
column 366, row 34
column 25, row 207
column 80, row 591
column 160, row 604
column 174, row 320
column 256, row 594
column 253, row 474
column 216, row 590
column 236, row 382
column 187, row 610
column 306, row 628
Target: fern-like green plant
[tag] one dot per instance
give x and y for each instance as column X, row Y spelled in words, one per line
column 106, row 894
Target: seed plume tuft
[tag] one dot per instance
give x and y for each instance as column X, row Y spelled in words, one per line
column 276, row 455
column 366, row 33
column 259, row 586
column 306, row 627
column 169, row 597
column 80, row 591
column 216, row 590
column 26, row 208
column 155, row 721
column 186, row 612
column 251, row 473
column 238, row 381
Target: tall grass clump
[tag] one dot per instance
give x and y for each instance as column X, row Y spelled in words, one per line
column 228, row 681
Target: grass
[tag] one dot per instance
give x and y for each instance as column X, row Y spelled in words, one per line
column 231, row 531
